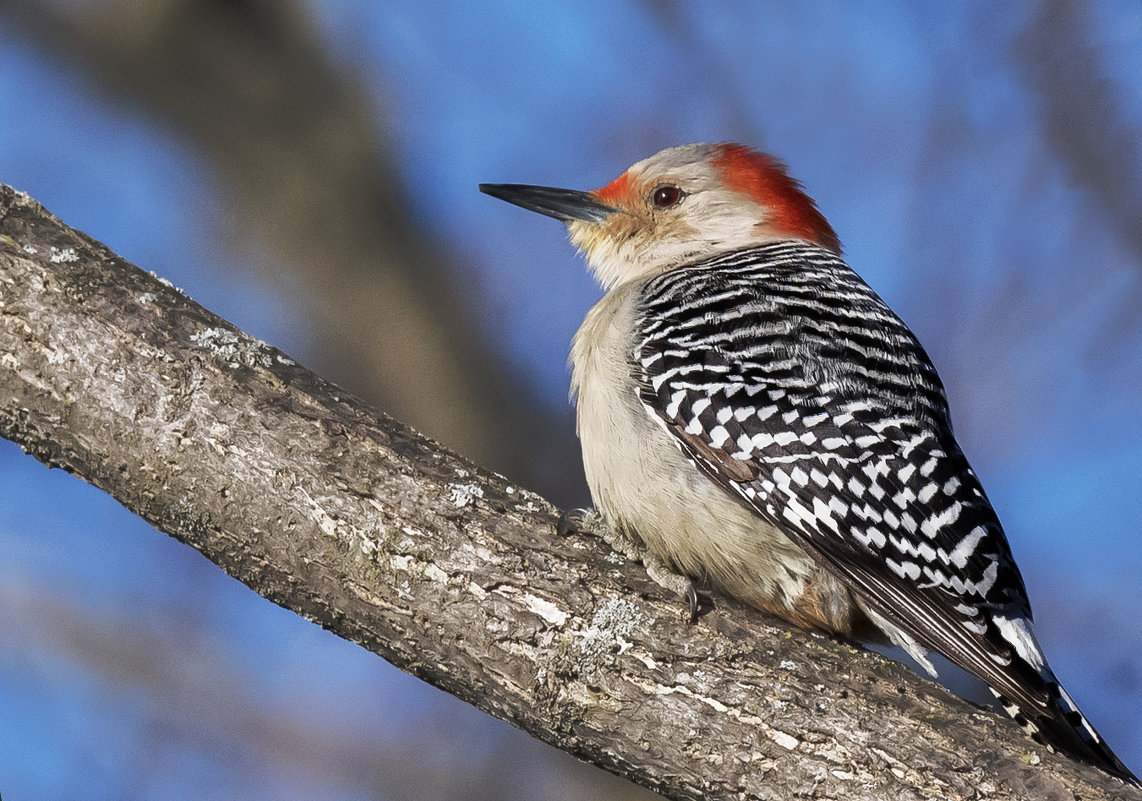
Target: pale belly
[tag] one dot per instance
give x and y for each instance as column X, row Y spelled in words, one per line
column 642, row 482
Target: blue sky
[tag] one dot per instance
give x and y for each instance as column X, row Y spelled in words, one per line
column 922, row 131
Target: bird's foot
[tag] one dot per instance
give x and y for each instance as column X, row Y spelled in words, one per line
column 591, row 522
column 664, row 576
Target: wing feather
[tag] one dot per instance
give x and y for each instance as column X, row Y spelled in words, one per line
column 842, row 439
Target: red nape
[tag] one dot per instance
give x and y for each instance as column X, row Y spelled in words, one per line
column 765, row 179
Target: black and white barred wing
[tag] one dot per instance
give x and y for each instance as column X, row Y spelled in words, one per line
column 795, row 387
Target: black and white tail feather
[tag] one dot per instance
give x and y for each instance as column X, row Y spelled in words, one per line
column 793, row 385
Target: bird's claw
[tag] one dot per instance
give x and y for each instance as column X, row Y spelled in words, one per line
column 570, row 520
column 693, row 602
column 665, row 577
column 590, row 521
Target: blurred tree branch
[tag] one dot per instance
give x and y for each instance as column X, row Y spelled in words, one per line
column 312, row 178
column 1084, row 120
column 448, row 571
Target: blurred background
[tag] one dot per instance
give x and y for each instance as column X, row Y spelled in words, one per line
column 308, row 170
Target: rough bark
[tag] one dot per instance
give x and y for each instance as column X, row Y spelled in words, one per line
column 304, row 167
column 451, row 573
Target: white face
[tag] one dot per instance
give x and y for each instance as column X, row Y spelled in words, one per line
column 670, row 209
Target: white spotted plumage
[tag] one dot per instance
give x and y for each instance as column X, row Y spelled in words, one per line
column 841, row 424
column 754, row 413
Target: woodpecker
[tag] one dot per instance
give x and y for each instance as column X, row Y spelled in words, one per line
column 760, row 420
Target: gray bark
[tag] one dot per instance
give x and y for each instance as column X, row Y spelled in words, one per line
column 304, row 166
column 450, row 572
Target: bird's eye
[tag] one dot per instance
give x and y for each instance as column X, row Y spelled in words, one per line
column 665, row 196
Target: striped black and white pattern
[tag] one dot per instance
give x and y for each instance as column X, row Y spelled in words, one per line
column 793, row 385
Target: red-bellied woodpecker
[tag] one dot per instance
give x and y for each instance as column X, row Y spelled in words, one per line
column 762, row 422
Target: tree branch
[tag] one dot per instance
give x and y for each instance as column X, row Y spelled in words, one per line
column 304, row 166
column 357, row 523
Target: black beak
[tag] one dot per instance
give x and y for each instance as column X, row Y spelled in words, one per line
column 564, row 205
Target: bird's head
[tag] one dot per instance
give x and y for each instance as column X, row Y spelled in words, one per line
column 681, row 204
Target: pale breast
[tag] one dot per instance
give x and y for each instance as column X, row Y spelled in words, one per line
column 641, row 481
